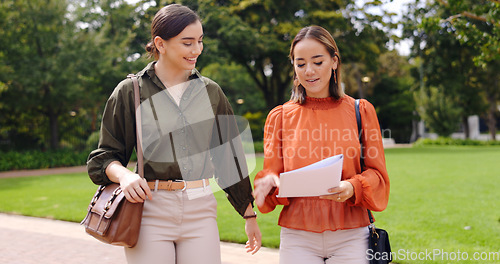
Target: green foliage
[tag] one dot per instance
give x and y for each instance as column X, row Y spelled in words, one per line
column 35, row 159
column 256, row 121
column 62, row 57
column 258, row 146
column 477, row 24
column 93, row 140
column 242, row 32
column 393, row 97
column 60, row 62
column 446, row 141
column 257, row 35
column 37, row 37
column 237, row 85
column 438, row 110
column 241, row 92
column 445, row 35
column 448, row 64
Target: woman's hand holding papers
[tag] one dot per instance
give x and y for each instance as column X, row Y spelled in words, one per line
column 340, row 193
column 263, row 187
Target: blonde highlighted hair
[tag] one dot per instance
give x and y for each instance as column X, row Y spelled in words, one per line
column 324, row 37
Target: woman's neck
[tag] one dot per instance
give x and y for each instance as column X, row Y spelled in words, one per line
column 170, row 75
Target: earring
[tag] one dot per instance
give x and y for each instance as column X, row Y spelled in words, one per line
column 335, row 76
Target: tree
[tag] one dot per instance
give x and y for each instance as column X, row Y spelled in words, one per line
column 113, row 36
column 258, row 34
column 36, row 37
column 447, row 62
column 241, row 92
column 238, row 86
column 438, row 109
column 490, row 85
column 393, row 96
column 478, row 24
column 62, row 59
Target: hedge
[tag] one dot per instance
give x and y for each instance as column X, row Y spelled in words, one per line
column 446, row 141
column 36, row 159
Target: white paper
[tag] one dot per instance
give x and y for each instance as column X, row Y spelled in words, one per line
column 312, row 180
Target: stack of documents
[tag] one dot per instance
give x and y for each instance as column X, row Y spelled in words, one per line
column 312, row 180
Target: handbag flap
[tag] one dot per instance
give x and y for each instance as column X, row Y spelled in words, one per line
column 108, row 201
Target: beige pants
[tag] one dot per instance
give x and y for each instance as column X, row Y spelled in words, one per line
column 342, row 246
column 178, row 227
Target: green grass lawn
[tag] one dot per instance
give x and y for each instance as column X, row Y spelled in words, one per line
column 442, row 198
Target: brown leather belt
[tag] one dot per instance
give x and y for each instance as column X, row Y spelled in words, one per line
column 177, row 185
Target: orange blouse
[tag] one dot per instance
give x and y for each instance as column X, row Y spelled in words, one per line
column 298, row 135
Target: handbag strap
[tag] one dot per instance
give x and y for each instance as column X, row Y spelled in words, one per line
column 361, row 157
column 138, row 125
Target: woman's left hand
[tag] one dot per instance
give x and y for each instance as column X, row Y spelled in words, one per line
column 341, row 193
column 254, row 236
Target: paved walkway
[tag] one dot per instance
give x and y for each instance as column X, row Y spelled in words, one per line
column 42, row 172
column 30, row 240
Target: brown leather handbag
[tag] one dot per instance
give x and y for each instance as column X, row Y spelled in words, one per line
column 110, row 217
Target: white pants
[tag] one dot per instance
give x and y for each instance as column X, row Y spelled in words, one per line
column 178, row 227
column 341, row 246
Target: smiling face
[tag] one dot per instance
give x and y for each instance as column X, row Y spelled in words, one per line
column 182, row 51
column 313, row 66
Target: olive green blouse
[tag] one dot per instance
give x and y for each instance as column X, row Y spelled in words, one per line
column 195, row 139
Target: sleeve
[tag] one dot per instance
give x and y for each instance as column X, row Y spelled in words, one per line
column 228, row 157
column 371, row 187
column 273, row 157
column 117, row 134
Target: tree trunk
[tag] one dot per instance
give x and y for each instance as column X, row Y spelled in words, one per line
column 280, row 87
column 357, row 76
column 54, row 127
column 270, row 101
column 273, row 88
column 276, row 96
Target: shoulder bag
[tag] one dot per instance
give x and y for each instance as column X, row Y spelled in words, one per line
column 110, row 217
column 378, row 241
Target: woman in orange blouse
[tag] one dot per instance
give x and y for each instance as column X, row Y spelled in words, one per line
column 318, row 122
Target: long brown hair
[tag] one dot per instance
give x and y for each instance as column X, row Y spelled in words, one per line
column 169, row 22
column 324, row 37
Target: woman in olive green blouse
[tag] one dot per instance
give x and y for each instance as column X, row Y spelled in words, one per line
column 188, row 136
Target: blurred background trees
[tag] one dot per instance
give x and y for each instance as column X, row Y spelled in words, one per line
column 457, row 44
column 60, row 60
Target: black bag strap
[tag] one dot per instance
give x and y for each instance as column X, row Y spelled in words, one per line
column 138, row 125
column 360, row 133
column 361, row 156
